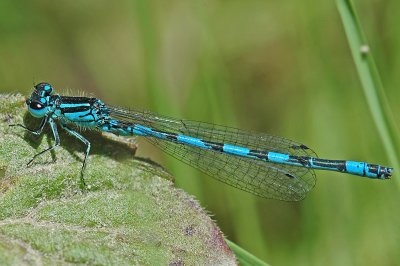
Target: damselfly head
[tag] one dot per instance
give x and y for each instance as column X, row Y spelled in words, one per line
column 38, row 102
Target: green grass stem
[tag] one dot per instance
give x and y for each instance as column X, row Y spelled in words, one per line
column 371, row 82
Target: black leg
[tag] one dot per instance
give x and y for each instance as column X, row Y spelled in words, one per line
column 37, row 131
column 56, row 138
column 86, row 142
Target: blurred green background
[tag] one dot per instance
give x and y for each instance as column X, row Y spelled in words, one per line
column 280, row 67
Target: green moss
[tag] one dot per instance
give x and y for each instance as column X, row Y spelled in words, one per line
column 128, row 214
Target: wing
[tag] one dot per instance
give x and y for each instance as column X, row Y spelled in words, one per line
column 264, row 179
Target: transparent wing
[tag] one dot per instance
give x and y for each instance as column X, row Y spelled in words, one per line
column 264, row 179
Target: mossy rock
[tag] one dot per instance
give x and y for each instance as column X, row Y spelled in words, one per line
column 128, row 215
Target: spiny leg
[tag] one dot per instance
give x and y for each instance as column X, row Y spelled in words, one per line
column 37, row 131
column 86, row 142
column 56, row 138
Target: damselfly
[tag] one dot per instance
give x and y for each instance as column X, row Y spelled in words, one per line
column 266, row 166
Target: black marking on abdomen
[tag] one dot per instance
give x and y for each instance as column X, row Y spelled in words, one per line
column 259, row 154
column 216, row 146
column 303, row 160
column 337, row 164
column 168, row 135
column 373, row 168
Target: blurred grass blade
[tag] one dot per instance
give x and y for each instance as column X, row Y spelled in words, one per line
column 157, row 91
column 371, row 83
column 244, row 257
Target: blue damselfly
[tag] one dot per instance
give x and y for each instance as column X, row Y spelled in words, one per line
column 266, row 166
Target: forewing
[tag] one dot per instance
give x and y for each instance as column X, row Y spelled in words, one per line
column 264, row 179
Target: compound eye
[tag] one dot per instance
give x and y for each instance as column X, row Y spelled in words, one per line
column 36, row 106
column 45, row 89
